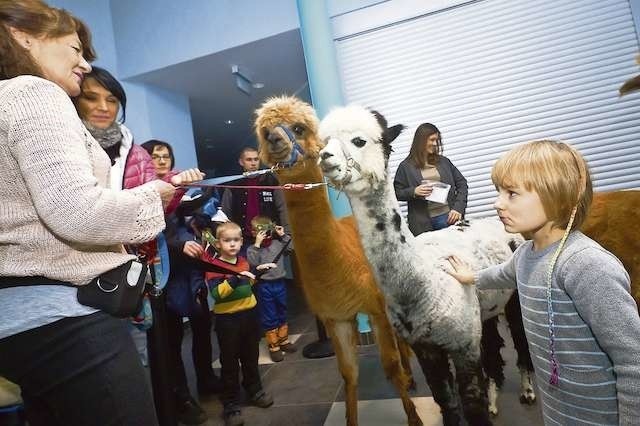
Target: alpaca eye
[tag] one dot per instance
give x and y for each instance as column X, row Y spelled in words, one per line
column 298, row 129
column 359, row 142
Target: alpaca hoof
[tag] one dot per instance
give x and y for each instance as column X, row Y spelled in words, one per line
column 493, row 410
column 528, row 399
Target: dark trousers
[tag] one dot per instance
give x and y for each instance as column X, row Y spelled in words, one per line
column 200, row 349
column 238, row 337
column 79, row 371
column 272, row 303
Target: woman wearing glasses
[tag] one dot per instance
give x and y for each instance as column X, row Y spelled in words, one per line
column 161, row 155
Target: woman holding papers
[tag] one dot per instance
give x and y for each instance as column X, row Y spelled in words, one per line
column 435, row 190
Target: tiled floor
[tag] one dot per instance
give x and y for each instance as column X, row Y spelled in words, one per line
column 311, row 392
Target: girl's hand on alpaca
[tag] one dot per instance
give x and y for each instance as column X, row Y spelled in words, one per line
column 260, row 236
column 279, row 230
column 266, row 266
column 247, row 274
column 461, row 271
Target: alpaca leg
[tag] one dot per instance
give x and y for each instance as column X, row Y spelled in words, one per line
column 390, row 357
column 405, row 359
column 525, row 365
column 492, row 361
column 344, row 338
column 492, row 396
column 472, row 387
column 434, row 363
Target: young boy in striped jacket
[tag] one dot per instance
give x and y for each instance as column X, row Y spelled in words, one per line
column 237, row 325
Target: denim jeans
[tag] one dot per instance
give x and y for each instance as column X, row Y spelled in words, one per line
column 439, row 222
column 272, row 303
column 79, row 371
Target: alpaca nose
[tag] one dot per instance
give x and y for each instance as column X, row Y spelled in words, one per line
column 274, row 138
column 325, row 155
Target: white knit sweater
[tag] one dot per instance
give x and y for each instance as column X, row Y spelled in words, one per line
column 57, row 217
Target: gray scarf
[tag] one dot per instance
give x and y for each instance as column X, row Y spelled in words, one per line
column 108, row 137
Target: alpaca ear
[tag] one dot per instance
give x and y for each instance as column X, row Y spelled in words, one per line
column 393, row 132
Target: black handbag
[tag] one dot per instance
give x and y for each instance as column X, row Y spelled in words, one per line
column 117, row 292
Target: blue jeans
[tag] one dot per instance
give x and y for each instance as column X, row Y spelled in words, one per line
column 439, row 222
column 272, row 303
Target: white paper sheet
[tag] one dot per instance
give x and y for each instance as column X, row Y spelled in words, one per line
column 439, row 193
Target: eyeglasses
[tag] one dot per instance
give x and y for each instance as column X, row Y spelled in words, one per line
column 161, row 157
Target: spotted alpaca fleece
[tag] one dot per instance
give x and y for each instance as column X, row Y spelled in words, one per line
column 439, row 317
column 424, row 302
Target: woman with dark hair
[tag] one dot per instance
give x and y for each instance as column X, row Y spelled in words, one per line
column 101, row 99
column 61, row 227
column 424, row 168
column 184, row 297
column 162, row 156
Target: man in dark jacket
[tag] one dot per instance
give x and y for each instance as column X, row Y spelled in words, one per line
column 241, row 205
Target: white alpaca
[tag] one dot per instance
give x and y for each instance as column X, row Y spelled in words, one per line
column 436, row 315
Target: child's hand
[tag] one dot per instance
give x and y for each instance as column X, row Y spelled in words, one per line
column 461, row 271
column 260, row 236
column 247, row 274
column 266, row 266
column 279, row 230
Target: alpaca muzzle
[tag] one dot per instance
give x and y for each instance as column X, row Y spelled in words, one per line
column 280, row 140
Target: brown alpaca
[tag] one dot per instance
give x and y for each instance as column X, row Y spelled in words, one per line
column 335, row 274
column 613, row 222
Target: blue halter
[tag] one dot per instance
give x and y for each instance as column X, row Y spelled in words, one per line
column 297, row 150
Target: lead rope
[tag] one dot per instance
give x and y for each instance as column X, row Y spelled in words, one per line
column 555, row 372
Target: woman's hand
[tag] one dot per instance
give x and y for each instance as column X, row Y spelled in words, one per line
column 423, row 190
column 461, row 271
column 192, row 249
column 166, row 191
column 266, row 266
column 453, row 217
column 187, row 176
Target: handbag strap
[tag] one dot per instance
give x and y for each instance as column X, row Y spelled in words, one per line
column 7, row 282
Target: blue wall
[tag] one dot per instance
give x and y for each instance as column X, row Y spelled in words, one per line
column 154, row 34
column 152, row 112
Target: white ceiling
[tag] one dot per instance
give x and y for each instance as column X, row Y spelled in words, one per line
column 277, row 61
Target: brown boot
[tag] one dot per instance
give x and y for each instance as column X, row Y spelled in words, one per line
column 283, row 339
column 275, row 351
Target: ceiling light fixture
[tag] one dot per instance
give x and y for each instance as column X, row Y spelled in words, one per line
column 228, row 122
column 244, row 82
